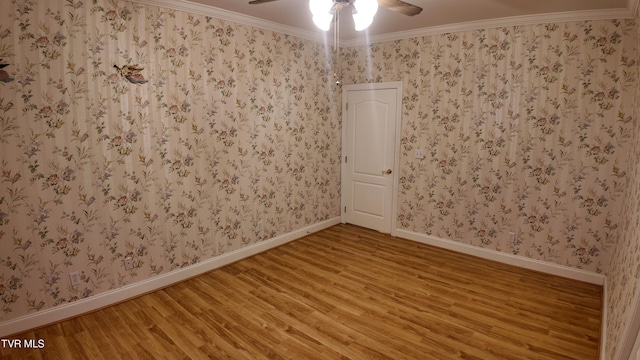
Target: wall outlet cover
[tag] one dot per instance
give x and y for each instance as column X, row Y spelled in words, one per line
column 128, row 263
column 74, row 277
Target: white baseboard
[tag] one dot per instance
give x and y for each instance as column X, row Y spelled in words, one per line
column 505, row 258
column 111, row 297
column 628, row 341
column 523, row 262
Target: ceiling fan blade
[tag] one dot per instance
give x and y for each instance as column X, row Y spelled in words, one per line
column 401, row 7
column 256, row 2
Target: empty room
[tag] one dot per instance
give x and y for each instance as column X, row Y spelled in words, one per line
column 320, row 179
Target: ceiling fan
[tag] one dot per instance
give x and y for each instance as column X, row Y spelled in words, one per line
column 323, row 10
column 394, row 5
column 363, row 12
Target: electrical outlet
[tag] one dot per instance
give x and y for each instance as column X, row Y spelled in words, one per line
column 419, row 154
column 128, row 263
column 74, row 277
column 512, row 237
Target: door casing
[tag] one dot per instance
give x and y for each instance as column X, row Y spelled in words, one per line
column 397, row 85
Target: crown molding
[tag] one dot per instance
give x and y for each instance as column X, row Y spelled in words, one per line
column 323, row 37
column 211, row 11
column 570, row 16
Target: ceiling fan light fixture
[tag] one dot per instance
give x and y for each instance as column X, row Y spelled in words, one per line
column 320, row 7
column 364, row 12
column 323, row 21
column 367, row 8
column 323, row 12
column 362, row 21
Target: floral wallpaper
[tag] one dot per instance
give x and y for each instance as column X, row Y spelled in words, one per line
column 623, row 274
column 136, row 131
column 172, row 138
column 525, row 129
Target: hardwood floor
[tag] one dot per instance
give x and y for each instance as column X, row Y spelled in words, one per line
column 345, row 292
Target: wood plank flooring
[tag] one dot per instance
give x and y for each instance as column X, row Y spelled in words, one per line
column 342, row 293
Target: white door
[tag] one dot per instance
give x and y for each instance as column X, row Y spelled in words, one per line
column 371, row 123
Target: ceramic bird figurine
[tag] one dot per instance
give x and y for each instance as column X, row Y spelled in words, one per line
column 131, row 73
column 4, row 75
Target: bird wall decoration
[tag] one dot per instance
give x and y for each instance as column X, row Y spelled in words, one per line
column 4, row 75
column 131, row 73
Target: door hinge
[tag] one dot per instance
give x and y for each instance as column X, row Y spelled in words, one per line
column 345, row 209
column 347, row 106
column 346, row 159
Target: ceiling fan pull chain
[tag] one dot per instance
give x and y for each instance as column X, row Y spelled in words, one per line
column 336, row 30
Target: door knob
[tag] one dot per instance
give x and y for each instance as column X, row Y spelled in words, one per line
column 386, row 172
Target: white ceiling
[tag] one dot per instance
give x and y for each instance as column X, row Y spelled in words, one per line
column 438, row 16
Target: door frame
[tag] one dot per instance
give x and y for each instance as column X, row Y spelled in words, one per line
column 396, row 85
